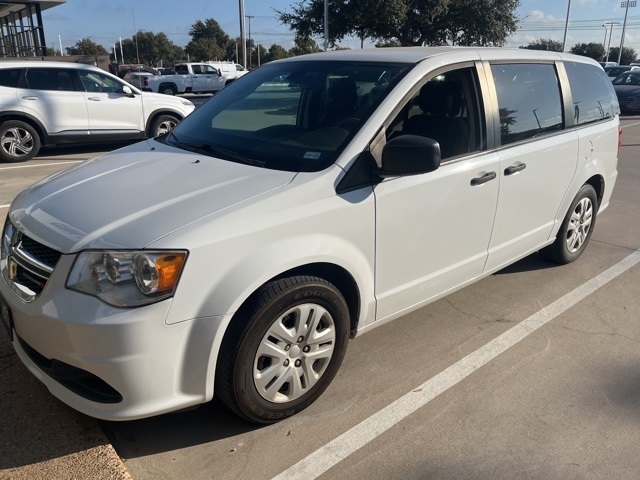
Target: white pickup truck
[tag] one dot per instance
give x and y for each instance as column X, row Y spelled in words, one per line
column 194, row 78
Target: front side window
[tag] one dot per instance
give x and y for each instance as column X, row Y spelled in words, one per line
column 295, row 116
column 98, row 82
column 529, row 100
column 591, row 91
column 447, row 109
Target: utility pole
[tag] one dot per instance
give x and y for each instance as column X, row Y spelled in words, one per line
column 326, row 25
column 250, row 49
column 626, row 6
column 243, row 40
column 60, row 41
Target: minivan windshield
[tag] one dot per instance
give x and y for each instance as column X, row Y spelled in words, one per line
column 292, row 115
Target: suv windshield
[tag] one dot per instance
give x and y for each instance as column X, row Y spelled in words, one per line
column 295, row 116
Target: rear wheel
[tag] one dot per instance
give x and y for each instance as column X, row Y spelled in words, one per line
column 168, row 89
column 19, row 141
column 282, row 352
column 576, row 228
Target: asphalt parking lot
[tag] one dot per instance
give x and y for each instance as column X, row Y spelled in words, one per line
column 531, row 373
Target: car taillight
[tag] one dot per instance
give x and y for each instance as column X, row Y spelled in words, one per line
column 619, row 136
column 144, row 80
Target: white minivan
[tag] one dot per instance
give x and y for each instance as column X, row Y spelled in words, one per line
column 305, row 204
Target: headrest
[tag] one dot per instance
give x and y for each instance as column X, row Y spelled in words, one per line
column 441, row 98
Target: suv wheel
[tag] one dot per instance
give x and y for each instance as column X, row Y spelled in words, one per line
column 163, row 124
column 19, row 141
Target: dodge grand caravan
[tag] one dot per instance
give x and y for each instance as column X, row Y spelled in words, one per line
column 305, row 204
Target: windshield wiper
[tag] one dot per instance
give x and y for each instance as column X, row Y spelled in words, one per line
column 223, row 153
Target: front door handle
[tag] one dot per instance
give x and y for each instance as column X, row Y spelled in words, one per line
column 29, row 97
column 515, row 168
column 487, row 177
column 94, row 99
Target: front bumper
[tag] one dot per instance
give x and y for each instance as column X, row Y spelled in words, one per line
column 112, row 363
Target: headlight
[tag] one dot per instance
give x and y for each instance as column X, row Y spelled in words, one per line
column 125, row 278
column 186, row 103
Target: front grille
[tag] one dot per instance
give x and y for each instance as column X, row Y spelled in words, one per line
column 26, row 263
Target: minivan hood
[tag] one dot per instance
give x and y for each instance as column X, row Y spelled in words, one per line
column 133, row 196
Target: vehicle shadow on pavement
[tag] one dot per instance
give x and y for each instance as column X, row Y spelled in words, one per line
column 207, row 423
column 533, row 262
column 34, row 425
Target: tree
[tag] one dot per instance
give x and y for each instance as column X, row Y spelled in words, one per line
column 544, row 44
column 209, row 41
column 628, row 55
column 86, row 47
column 410, row 22
column 276, row 52
column 304, row 45
column 591, row 50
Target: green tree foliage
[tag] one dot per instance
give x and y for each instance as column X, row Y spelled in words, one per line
column 410, row 22
column 86, row 46
column 209, row 41
column 628, row 55
column 204, row 49
column 545, row 44
column 304, row 45
column 275, row 52
column 591, row 50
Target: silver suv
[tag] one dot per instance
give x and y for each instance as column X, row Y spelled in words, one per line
column 53, row 103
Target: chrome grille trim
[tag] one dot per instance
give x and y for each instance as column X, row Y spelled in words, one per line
column 22, row 269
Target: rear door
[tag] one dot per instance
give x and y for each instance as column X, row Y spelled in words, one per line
column 50, row 95
column 538, row 158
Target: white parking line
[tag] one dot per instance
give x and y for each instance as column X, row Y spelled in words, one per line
column 40, row 165
column 631, row 125
column 5, row 206
column 337, row 450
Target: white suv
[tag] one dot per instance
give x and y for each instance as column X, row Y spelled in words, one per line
column 52, row 103
column 302, row 205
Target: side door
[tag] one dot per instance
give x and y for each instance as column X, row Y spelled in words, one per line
column 110, row 110
column 50, row 95
column 538, row 158
column 433, row 230
column 205, row 78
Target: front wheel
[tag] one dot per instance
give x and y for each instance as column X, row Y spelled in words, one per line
column 282, row 351
column 576, row 229
column 19, row 141
column 163, row 124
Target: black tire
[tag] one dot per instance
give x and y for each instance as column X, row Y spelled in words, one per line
column 264, row 378
column 576, row 229
column 19, row 141
column 168, row 89
column 163, row 124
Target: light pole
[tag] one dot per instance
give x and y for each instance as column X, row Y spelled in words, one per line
column 326, row 25
column 626, row 6
column 608, row 45
column 566, row 26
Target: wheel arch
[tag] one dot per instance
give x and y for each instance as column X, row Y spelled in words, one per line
column 597, row 182
column 154, row 116
column 24, row 117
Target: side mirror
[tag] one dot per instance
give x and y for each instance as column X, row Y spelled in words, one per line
column 126, row 89
column 410, row 155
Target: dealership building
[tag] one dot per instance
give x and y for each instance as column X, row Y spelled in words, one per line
column 21, row 28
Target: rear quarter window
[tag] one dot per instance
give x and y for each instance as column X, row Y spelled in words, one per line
column 592, row 93
column 9, row 77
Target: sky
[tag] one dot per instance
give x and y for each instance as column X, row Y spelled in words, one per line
column 105, row 21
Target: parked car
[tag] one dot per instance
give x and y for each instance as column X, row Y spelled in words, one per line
column 135, row 78
column 238, row 254
column 627, row 88
column 613, row 72
column 187, row 78
column 608, row 64
column 53, row 103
